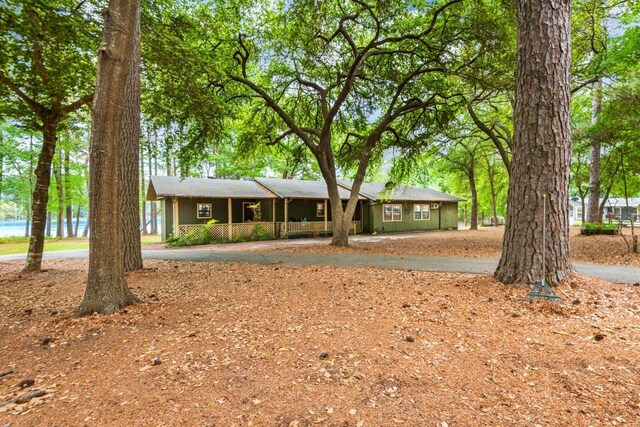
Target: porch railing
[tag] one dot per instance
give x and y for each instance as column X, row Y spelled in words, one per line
column 315, row 227
column 219, row 232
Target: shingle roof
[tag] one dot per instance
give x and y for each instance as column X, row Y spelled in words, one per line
column 272, row 188
column 620, row 201
column 172, row 186
column 376, row 191
column 300, row 189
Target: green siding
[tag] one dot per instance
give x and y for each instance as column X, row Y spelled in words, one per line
column 371, row 214
column 444, row 217
column 449, row 212
column 166, row 217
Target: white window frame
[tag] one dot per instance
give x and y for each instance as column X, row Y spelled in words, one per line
column 578, row 212
column 392, row 212
column 320, row 206
column 198, row 211
column 422, row 218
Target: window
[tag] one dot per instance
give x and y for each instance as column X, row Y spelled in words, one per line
column 320, row 210
column 421, row 212
column 579, row 212
column 204, row 210
column 391, row 213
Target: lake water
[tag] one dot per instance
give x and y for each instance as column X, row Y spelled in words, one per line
column 16, row 228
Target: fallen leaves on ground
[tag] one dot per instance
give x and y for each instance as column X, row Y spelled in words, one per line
column 237, row 344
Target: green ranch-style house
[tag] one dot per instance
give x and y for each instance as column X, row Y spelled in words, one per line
column 287, row 208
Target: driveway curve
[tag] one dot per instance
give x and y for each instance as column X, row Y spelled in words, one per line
column 613, row 273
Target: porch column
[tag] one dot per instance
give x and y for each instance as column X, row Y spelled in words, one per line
column 230, row 213
column 326, row 216
column 361, row 216
column 176, row 219
column 273, row 217
column 286, row 215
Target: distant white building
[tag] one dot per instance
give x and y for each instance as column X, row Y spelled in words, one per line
column 615, row 209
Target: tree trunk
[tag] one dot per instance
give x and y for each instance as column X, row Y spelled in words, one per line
column 143, row 218
column 1, row 172
column 130, row 176
column 40, row 197
column 107, row 291
column 583, row 210
column 542, row 147
column 67, row 192
column 77, row 221
column 48, row 224
column 491, row 170
column 57, row 174
column 595, row 212
column 474, row 199
column 152, row 205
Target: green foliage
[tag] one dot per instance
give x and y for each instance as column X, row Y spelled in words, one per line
column 591, row 229
column 48, row 53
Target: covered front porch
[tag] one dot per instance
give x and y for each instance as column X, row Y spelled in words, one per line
column 241, row 219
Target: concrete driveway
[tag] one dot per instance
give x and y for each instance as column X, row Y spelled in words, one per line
column 612, row 273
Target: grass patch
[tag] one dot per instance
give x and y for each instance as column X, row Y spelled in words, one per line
column 20, row 245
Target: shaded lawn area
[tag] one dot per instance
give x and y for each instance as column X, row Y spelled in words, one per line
column 18, row 245
column 297, row 346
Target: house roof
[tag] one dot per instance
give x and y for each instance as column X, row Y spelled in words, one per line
column 376, row 191
column 620, row 201
column 273, row 188
column 301, row 189
column 172, row 186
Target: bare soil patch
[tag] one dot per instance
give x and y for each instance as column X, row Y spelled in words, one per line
column 234, row 344
column 483, row 243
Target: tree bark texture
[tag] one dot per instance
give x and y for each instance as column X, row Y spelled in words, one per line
column 130, row 176
column 542, row 147
column 40, row 197
column 594, row 210
column 107, row 291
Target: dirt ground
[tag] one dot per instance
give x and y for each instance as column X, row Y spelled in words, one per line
column 233, row 344
column 483, row 243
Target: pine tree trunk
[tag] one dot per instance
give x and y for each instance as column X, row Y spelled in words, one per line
column 130, row 176
column 40, row 197
column 143, row 218
column 542, row 147
column 48, row 224
column 57, row 173
column 152, row 205
column 474, row 199
column 107, row 291
column 595, row 212
column 67, row 192
column 77, row 221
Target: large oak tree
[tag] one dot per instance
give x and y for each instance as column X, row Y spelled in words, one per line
column 46, row 73
column 349, row 80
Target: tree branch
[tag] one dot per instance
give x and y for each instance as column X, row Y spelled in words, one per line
column 38, row 108
column 77, row 104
